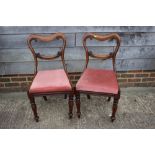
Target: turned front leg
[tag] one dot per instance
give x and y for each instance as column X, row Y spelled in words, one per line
column 34, row 107
column 70, row 103
column 78, row 103
column 114, row 107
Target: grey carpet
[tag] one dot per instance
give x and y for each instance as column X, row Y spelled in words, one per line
column 136, row 110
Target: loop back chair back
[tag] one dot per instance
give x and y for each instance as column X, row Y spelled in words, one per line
column 99, row 81
column 49, row 82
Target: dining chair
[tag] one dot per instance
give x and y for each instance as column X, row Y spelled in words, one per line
column 99, row 81
column 52, row 81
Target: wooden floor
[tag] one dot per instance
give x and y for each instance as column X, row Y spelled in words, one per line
column 136, row 110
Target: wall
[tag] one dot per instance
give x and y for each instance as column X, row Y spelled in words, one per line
column 137, row 78
column 137, row 50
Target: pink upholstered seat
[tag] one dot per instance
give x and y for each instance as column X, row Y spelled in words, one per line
column 98, row 80
column 50, row 81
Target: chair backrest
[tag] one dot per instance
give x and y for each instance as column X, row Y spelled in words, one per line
column 98, row 37
column 48, row 38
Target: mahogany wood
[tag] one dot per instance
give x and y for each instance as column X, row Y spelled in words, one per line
column 37, row 56
column 112, row 55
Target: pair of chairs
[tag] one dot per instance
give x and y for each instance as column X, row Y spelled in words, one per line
column 92, row 81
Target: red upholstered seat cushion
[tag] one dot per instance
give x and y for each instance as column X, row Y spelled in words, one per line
column 98, row 80
column 50, row 81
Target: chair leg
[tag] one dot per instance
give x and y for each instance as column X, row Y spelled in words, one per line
column 78, row 103
column 88, row 96
column 65, row 97
column 109, row 98
column 34, row 107
column 114, row 107
column 70, row 103
column 45, row 98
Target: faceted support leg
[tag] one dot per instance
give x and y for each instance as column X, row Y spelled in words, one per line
column 65, row 97
column 88, row 96
column 70, row 103
column 109, row 98
column 34, row 107
column 114, row 107
column 78, row 103
column 45, row 98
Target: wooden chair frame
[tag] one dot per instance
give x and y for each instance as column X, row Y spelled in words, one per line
column 112, row 56
column 37, row 56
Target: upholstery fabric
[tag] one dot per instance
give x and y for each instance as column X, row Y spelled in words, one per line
column 50, row 81
column 98, row 80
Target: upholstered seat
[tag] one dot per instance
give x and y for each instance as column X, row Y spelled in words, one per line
column 98, row 80
column 50, row 81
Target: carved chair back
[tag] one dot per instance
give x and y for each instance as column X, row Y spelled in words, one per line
column 97, row 37
column 48, row 38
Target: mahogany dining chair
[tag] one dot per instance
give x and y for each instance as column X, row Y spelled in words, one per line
column 52, row 81
column 99, row 81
